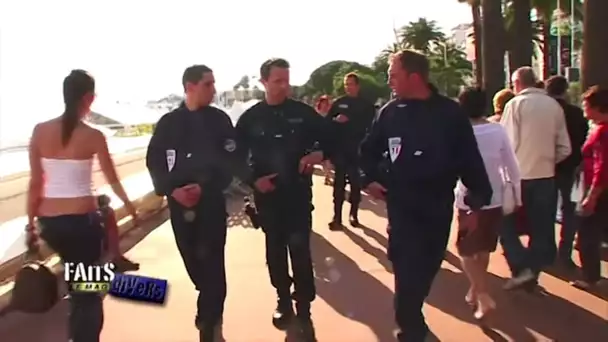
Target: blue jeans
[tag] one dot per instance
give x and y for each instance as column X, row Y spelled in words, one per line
column 564, row 184
column 540, row 203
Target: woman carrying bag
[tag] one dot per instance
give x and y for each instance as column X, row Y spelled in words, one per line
column 478, row 231
column 61, row 199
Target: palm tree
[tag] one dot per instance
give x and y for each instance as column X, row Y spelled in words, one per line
column 380, row 64
column 476, row 15
column 449, row 67
column 492, row 46
column 419, row 35
column 595, row 44
column 542, row 27
column 520, row 34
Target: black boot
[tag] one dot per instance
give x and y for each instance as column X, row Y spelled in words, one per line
column 306, row 328
column 207, row 331
column 124, row 265
column 283, row 314
column 336, row 224
column 354, row 216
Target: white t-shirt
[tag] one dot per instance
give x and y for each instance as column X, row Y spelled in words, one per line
column 498, row 157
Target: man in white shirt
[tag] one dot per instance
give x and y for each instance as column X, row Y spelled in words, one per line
column 536, row 126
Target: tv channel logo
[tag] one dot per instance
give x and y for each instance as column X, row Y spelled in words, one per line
column 104, row 279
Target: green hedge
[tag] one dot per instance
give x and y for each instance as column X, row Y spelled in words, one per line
column 137, row 130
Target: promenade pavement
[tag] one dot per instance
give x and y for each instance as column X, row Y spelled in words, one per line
column 354, row 285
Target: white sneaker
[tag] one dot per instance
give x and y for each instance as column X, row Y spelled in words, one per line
column 519, row 280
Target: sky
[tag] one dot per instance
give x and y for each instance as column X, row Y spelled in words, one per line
column 137, row 50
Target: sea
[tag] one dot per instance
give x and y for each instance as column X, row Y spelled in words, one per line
column 15, row 130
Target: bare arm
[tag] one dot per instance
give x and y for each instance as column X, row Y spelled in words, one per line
column 107, row 167
column 34, row 193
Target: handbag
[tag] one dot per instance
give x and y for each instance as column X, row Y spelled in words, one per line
column 509, row 195
column 36, row 288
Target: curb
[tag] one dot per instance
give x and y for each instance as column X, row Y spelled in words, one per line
column 149, row 205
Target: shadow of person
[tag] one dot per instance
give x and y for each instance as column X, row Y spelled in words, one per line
column 375, row 206
column 340, row 282
column 517, row 313
column 381, row 239
column 377, row 253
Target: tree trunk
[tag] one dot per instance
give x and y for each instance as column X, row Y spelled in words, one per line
column 477, row 32
column 492, row 47
column 595, row 44
column 546, row 45
column 521, row 35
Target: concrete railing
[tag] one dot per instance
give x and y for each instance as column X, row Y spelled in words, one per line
column 138, row 187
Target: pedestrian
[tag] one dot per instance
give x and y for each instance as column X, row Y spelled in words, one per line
column 476, row 241
column 60, row 194
column 323, row 105
column 188, row 161
column 536, row 127
column 594, row 203
column 431, row 145
column 351, row 117
column 566, row 170
column 284, row 139
column 499, row 102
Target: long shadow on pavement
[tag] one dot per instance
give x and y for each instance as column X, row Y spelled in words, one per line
column 547, row 314
column 350, row 291
column 372, row 204
column 375, row 252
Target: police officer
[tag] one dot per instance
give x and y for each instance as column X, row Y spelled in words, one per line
column 430, row 145
column 187, row 162
column 350, row 116
column 283, row 138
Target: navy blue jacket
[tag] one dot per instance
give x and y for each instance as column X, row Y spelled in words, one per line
column 193, row 147
column 275, row 137
column 430, row 145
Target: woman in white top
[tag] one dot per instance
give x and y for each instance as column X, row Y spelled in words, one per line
column 60, row 194
column 478, row 232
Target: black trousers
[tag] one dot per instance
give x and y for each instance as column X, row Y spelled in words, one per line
column 416, row 250
column 342, row 170
column 201, row 244
column 78, row 239
column 287, row 225
column 590, row 232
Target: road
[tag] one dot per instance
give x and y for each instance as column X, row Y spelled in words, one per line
column 354, row 287
column 13, row 191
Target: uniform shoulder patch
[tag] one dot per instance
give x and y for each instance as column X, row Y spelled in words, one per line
column 230, row 145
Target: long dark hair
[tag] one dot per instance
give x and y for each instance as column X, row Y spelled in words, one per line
column 75, row 86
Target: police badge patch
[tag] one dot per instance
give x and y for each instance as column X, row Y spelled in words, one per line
column 230, row 145
column 394, row 148
column 170, row 154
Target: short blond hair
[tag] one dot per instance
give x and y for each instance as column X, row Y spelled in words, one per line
column 500, row 100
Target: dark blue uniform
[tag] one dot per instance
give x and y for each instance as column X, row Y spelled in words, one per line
column 195, row 147
column 430, row 145
column 276, row 137
column 347, row 138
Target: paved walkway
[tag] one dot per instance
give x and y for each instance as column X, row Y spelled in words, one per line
column 354, row 295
